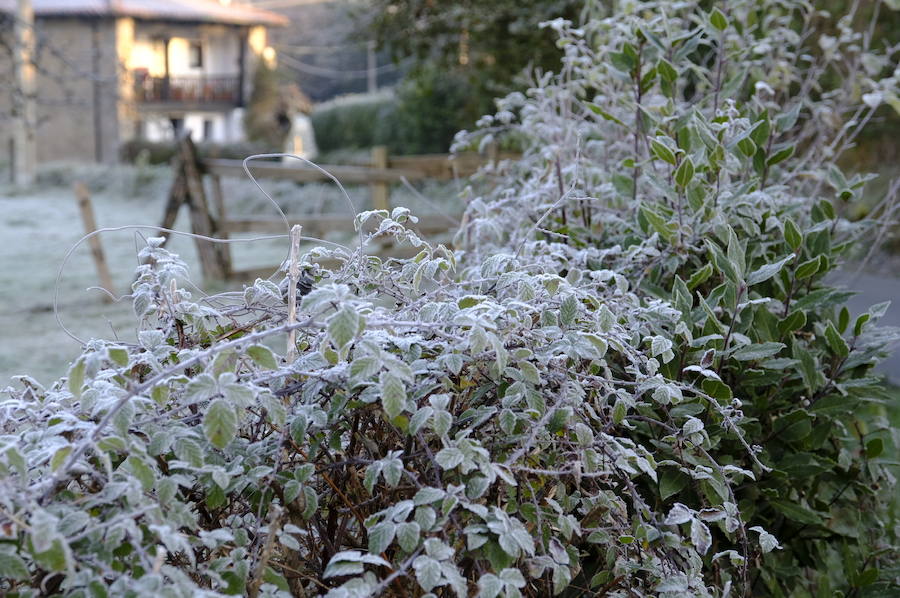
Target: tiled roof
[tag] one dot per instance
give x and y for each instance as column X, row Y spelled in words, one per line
column 208, row 11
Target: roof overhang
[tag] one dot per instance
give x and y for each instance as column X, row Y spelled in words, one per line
column 190, row 11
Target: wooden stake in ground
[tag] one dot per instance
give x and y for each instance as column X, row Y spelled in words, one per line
column 293, row 278
column 83, row 196
column 381, row 191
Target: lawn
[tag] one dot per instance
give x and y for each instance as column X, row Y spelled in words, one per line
column 38, row 227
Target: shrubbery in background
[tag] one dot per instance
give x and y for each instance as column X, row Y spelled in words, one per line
column 267, row 118
column 421, row 117
column 631, row 379
column 474, row 51
column 353, row 122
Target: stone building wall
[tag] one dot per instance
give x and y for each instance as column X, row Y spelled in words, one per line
column 77, row 90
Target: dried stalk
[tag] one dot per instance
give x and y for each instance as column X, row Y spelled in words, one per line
column 294, row 277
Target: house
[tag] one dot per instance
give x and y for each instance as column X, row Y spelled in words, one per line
column 109, row 71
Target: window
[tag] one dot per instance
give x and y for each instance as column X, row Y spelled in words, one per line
column 177, row 126
column 195, row 55
column 140, row 129
column 207, row 130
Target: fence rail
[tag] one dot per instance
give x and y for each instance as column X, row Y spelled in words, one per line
column 379, row 175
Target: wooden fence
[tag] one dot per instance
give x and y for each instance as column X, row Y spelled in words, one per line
column 382, row 172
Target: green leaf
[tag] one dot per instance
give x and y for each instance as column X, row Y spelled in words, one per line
column 718, row 20
column 666, row 70
column 55, row 558
column 867, row 577
column 836, row 341
column 220, row 424
column 874, row 448
column 671, row 482
column 343, row 326
column 13, row 567
column 119, row 356
column 796, row 512
column 489, row 586
column 365, row 367
column 160, row 394
column 860, row 322
column 292, row 490
column 760, row 131
column 311, row 502
column 658, row 223
column 747, row 146
column 700, row 276
column 59, row 457
column 498, row 558
column 393, row 394
column 795, row 321
column 408, row 535
column 622, row 61
column 381, row 536
column 807, row 268
column 780, row 156
column 735, row 252
column 263, row 357
column 758, row 351
column 766, row 272
column 725, row 265
column 843, row 320
column 200, row 388
column 568, row 310
column 620, row 410
column 787, row 119
column 684, row 173
column 76, row 378
column 662, row 151
column 717, row 389
column 623, row 184
column 809, row 369
column 603, row 113
column 792, row 234
column 143, row 472
column 428, row 572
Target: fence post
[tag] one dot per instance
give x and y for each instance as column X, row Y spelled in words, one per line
column 212, row 259
column 218, row 197
column 380, row 190
column 493, row 152
column 90, row 225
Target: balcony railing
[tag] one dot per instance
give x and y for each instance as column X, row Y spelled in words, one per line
column 188, row 89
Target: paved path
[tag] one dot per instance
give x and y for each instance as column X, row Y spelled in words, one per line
column 872, row 289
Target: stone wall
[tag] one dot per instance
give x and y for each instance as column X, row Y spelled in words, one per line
column 77, row 90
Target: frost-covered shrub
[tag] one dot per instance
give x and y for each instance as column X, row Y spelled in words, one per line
column 629, row 380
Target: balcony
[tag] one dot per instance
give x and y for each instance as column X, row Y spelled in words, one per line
column 188, row 89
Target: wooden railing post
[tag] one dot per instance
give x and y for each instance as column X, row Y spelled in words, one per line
column 381, row 191
column 212, row 257
column 82, row 195
column 221, row 218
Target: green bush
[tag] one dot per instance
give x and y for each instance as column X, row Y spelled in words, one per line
column 353, row 122
column 721, row 193
column 631, row 378
column 421, row 118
